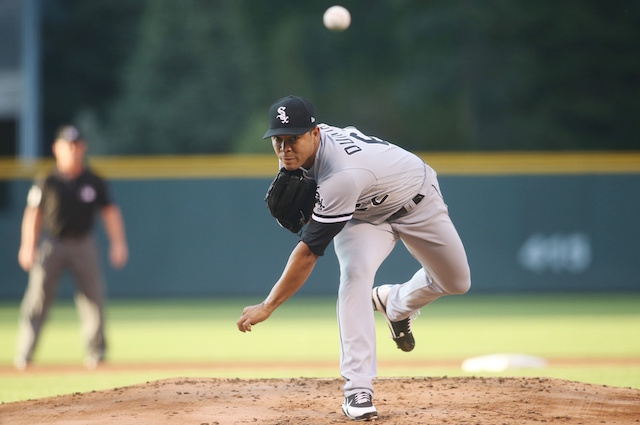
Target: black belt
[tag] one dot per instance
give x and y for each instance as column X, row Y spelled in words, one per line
column 404, row 210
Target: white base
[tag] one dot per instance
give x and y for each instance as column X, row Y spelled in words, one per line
column 501, row 362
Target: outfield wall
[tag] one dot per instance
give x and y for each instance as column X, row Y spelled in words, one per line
column 199, row 226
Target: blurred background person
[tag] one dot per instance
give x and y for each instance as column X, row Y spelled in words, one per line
column 64, row 204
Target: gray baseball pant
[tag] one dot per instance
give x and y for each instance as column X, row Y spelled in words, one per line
column 361, row 247
column 55, row 256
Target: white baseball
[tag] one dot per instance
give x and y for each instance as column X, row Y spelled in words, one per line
column 336, row 18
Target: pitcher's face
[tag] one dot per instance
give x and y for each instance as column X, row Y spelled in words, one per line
column 295, row 151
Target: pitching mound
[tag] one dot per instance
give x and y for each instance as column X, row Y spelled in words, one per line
column 200, row 401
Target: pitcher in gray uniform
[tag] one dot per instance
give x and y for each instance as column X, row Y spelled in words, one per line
column 371, row 193
column 63, row 205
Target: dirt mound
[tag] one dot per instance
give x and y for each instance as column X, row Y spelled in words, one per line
column 517, row 401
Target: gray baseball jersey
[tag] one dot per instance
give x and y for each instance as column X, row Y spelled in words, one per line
column 367, row 191
column 362, row 177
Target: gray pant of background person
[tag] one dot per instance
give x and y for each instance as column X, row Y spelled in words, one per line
column 79, row 256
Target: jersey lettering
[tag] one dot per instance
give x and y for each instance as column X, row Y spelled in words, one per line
column 368, row 139
column 350, row 145
column 350, row 150
column 353, row 148
column 381, row 176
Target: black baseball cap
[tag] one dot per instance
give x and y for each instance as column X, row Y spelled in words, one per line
column 69, row 133
column 291, row 115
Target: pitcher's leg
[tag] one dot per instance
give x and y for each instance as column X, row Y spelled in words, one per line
column 361, row 248
column 445, row 269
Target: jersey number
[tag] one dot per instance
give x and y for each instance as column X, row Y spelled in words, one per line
column 351, row 149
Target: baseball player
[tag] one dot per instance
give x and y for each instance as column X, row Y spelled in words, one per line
column 64, row 205
column 370, row 194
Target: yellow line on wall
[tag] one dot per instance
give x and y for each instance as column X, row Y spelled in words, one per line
column 259, row 166
column 509, row 163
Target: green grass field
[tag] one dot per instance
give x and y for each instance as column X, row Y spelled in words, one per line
column 587, row 338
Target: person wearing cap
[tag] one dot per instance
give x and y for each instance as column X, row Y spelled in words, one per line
column 63, row 205
column 371, row 193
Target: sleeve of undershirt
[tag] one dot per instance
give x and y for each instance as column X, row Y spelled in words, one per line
column 317, row 236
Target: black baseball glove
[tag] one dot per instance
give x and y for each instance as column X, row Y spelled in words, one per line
column 290, row 199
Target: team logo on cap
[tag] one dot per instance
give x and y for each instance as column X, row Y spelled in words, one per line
column 282, row 115
column 70, row 133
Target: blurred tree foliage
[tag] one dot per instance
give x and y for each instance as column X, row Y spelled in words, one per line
column 197, row 76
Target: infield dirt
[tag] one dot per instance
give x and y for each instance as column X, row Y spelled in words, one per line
column 200, row 401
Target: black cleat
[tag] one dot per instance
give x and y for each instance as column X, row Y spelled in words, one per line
column 400, row 330
column 359, row 407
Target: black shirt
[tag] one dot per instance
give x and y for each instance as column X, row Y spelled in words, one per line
column 69, row 205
